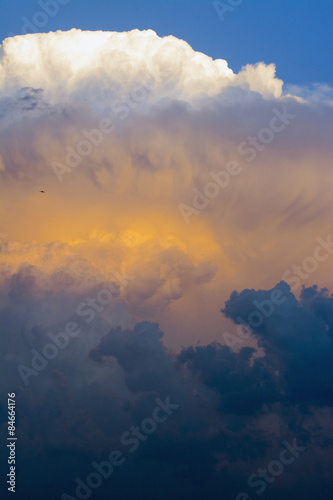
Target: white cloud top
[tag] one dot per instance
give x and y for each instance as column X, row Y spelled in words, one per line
column 95, row 64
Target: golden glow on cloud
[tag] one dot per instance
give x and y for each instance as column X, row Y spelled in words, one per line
column 119, row 208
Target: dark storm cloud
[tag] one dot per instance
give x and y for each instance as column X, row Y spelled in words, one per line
column 243, row 387
column 142, row 356
column 296, row 337
column 234, row 408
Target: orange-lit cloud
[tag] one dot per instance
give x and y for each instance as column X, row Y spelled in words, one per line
column 173, row 116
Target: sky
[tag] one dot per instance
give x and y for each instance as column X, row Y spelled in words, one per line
column 294, row 35
column 166, row 248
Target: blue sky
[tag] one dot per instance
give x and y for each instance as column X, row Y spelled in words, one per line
column 295, row 35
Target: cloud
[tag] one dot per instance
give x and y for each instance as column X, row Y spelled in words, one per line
column 139, row 123
column 234, row 409
column 177, row 117
column 75, row 64
column 298, row 333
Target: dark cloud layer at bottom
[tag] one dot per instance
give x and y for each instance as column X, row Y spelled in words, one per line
column 192, row 425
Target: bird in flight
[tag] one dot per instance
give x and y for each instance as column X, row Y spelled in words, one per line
column 41, row 191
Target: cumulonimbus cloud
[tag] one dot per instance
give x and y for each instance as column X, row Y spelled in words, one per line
column 175, row 119
column 141, row 126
